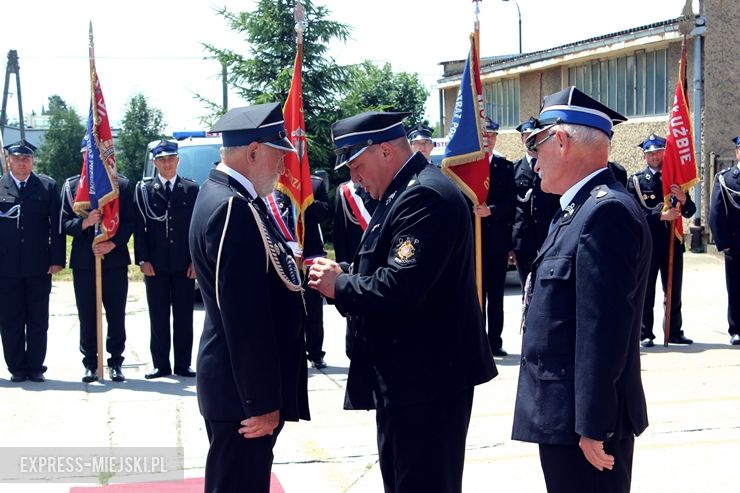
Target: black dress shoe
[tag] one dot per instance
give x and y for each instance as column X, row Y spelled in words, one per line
column 681, row 339
column 647, row 342
column 36, row 376
column 499, row 352
column 157, row 373
column 185, row 372
column 90, row 375
column 318, row 363
column 18, row 376
column 735, row 340
column 116, row 374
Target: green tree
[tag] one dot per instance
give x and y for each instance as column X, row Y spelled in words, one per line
column 142, row 123
column 59, row 156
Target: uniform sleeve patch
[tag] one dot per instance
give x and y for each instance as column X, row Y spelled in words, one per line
column 406, row 250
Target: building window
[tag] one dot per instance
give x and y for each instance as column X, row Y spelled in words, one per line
column 634, row 85
column 502, row 102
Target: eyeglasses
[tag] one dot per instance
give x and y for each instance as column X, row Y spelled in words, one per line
column 533, row 144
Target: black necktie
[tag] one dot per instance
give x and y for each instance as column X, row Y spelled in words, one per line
column 167, row 189
column 23, row 186
column 534, row 161
column 555, row 219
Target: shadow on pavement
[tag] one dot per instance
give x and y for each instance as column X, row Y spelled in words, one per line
column 171, row 386
column 696, row 347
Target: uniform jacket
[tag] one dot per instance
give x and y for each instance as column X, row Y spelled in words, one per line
column 252, row 357
column 347, row 230
column 31, row 241
column 651, row 187
column 724, row 213
column 534, row 209
column 318, row 211
column 164, row 243
column 412, row 300
column 501, row 200
column 580, row 363
column 619, row 172
column 82, row 257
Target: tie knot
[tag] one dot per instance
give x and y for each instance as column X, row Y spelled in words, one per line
column 23, row 185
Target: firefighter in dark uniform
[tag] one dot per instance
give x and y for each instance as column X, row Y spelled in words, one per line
column 534, row 209
column 421, row 141
column 724, row 221
column 353, row 207
column 32, row 249
column 116, row 260
column 164, row 206
column 647, row 188
column 252, row 372
column 497, row 216
column 419, row 347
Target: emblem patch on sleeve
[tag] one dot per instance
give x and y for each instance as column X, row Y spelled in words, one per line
column 406, row 250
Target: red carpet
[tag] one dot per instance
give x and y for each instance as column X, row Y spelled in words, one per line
column 192, row 485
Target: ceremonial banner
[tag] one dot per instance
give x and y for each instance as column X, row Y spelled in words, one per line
column 679, row 159
column 466, row 160
column 98, row 185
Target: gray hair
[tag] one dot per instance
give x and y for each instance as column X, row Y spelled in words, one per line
column 586, row 136
column 229, row 151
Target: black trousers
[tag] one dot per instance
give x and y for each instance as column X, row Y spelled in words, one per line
column 236, row 464
column 24, row 321
column 659, row 263
column 115, row 289
column 494, row 281
column 567, row 470
column 422, row 446
column 732, row 279
column 175, row 290
column 314, row 322
column 524, row 261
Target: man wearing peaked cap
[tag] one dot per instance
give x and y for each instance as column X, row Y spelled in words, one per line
column 32, row 250
column 251, row 367
column 724, row 221
column 419, row 347
column 421, row 141
column 165, row 205
column 580, row 393
column 647, row 188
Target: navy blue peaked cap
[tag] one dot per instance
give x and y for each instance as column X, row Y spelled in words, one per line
column 652, row 143
column 577, row 108
column 736, row 140
column 21, row 148
column 491, row 125
column 354, row 134
column 527, row 125
column 420, row 133
column 165, row 148
column 261, row 123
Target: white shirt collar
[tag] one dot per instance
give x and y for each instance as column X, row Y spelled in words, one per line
column 570, row 194
column 243, row 180
column 17, row 181
column 171, row 180
column 653, row 171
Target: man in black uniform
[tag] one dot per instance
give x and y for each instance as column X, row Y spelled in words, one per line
column 32, row 250
column 252, row 374
column 421, row 141
column 497, row 216
column 647, row 188
column 534, row 209
column 116, row 260
column 724, row 221
column 580, row 395
column 419, row 345
column 165, row 206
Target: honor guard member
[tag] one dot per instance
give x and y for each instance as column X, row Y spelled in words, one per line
column 419, row 345
column 580, row 395
column 421, row 141
column 724, row 221
column 32, row 250
column 647, row 187
column 115, row 262
column 164, row 207
column 252, row 372
column 353, row 207
column 497, row 216
column 534, row 208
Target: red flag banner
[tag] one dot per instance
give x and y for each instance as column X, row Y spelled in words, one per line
column 98, row 185
column 679, row 160
column 295, row 182
column 466, row 160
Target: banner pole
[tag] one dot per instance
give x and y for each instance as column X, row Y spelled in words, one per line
column 99, row 312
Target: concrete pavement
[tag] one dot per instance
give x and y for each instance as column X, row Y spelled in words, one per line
column 693, row 395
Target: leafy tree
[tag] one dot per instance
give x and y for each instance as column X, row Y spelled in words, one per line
column 142, row 123
column 59, row 156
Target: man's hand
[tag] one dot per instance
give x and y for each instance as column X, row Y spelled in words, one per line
column 594, row 452
column 258, row 426
column 93, row 218
column 103, row 248
column 53, row 269
column 190, row 272
column 147, row 269
column 481, row 210
column 670, row 215
column 677, row 192
column 323, row 276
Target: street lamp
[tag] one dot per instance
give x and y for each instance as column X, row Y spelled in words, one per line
column 520, row 23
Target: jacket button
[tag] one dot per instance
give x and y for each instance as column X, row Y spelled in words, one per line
column 524, row 361
column 562, row 372
column 609, row 435
column 357, row 333
column 552, row 271
column 248, row 401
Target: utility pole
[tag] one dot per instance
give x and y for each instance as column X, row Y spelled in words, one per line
column 12, row 68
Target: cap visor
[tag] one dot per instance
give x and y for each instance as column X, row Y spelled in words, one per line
column 282, row 144
column 345, row 158
column 162, row 154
